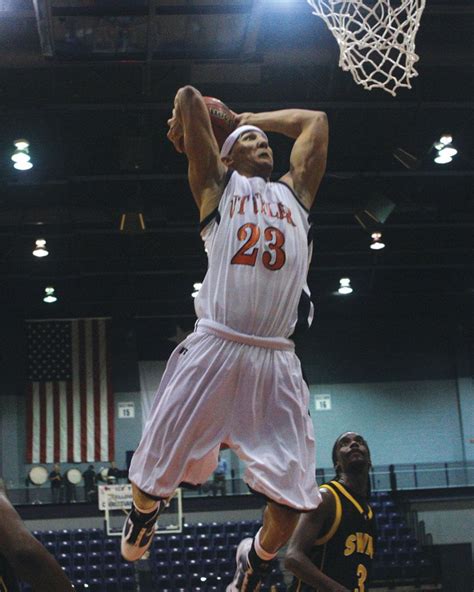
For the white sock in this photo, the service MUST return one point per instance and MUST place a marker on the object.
(149, 510)
(264, 555)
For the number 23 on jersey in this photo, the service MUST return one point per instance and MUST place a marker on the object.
(273, 257)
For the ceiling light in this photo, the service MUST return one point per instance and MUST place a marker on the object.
(442, 159)
(50, 297)
(446, 139)
(197, 286)
(23, 166)
(20, 156)
(447, 151)
(345, 286)
(377, 244)
(21, 144)
(40, 248)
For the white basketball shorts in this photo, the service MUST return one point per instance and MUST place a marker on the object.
(248, 392)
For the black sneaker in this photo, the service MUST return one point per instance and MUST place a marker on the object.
(246, 579)
(137, 534)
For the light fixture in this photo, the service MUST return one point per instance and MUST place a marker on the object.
(50, 297)
(448, 151)
(444, 149)
(23, 166)
(197, 286)
(377, 244)
(21, 144)
(40, 248)
(21, 157)
(446, 139)
(345, 286)
(442, 159)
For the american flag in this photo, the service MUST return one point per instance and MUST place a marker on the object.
(70, 411)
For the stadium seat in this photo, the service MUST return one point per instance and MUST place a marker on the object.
(161, 568)
(95, 558)
(51, 547)
(94, 572)
(175, 554)
(160, 555)
(111, 544)
(79, 546)
(201, 528)
(111, 585)
(79, 534)
(95, 546)
(232, 539)
(79, 559)
(128, 584)
(63, 535)
(64, 560)
(94, 585)
(191, 553)
(216, 528)
(110, 570)
(206, 553)
(222, 552)
(203, 540)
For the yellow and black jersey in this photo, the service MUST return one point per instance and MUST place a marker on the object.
(8, 582)
(345, 551)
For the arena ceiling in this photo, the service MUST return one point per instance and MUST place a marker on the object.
(90, 84)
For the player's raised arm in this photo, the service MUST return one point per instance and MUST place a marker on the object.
(312, 526)
(309, 153)
(191, 132)
(28, 559)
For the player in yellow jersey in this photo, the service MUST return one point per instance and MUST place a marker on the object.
(332, 547)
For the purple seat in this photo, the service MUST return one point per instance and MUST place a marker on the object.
(206, 553)
(191, 553)
(79, 559)
(175, 554)
(95, 546)
(64, 560)
(216, 528)
(110, 570)
(94, 572)
(79, 546)
(201, 528)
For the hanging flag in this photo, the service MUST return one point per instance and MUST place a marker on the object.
(70, 410)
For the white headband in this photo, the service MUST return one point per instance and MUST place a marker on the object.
(235, 135)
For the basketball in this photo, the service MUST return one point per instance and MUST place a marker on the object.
(222, 119)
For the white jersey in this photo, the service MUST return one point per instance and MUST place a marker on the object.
(259, 248)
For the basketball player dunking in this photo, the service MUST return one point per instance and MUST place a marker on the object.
(236, 380)
(332, 547)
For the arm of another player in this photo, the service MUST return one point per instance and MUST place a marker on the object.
(309, 153)
(309, 529)
(29, 560)
(191, 132)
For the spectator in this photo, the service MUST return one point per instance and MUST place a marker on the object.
(90, 484)
(56, 481)
(219, 477)
(114, 473)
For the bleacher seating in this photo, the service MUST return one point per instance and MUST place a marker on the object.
(202, 558)
(398, 558)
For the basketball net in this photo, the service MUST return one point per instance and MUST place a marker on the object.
(376, 39)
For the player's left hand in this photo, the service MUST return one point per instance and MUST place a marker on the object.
(175, 133)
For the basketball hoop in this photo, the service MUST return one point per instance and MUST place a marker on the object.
(376, 39)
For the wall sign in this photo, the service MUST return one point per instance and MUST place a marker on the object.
(322, 402)
(126, 410)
